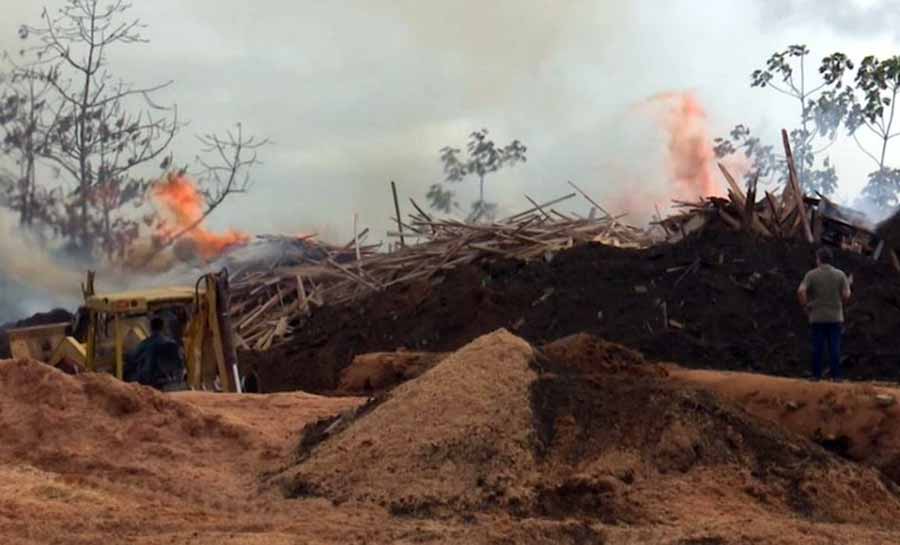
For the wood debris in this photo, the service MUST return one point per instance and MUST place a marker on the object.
(269, 304)
(814, 219)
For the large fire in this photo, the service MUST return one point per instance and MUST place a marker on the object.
(181, 205)
(690, 159)
(686, 159)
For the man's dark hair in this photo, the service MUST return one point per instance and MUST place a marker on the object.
(157, 325)
(824, 255)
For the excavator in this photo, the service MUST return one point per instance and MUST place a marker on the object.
(108, 325)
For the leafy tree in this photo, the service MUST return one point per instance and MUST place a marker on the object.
(101, 136)
(786, 73)
(482, 157)
(869, 108)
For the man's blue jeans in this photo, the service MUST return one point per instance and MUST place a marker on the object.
(827, 334)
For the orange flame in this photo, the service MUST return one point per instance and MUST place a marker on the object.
(691, 159)
(182, 205)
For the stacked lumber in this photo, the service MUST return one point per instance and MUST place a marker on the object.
(784, 216)
(268, 305)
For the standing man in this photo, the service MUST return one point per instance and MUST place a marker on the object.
(822, 293)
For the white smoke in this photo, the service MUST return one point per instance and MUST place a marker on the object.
(31, 280)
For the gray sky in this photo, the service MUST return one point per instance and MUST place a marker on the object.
(356, 93)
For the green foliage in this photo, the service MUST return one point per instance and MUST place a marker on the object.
(822, 109)
(882, 188)
(441, 199)
(482, 157)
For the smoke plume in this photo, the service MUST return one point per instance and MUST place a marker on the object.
(31, 279)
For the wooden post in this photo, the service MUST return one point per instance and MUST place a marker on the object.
(750, 204)
(397, 211)
(878, 249)
(356, 242)
(795, 185)
(590, 200)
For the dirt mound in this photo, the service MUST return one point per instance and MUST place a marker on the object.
(457, 430)
(718, 299)
(855, 421)
(372, 373)
(588, 354)
(499, 427)
(94, 423)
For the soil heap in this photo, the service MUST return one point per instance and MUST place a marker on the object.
(583, 430)
(718, 299)
(96, 426)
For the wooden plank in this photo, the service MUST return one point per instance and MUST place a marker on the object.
(773, 207)
(397, 210)
(356, 242)
(533, 210)
(729, 219)
(590, 200)
(733, 184)
(795, 185)
(536, 205)
(301, 296)
(416, 206)
(258, 312)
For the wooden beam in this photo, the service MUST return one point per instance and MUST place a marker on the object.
(532, 210)
(795, 185)
(750, 204)
(733, 184)
(590, 200)
(536, 205)
(397, 210)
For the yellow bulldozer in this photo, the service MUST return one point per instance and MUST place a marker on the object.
(109, 325)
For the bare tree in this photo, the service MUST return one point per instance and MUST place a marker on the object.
(228, 171)
(223, 169)
(108, 126)
(26, 124)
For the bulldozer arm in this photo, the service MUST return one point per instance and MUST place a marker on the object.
(70, 356)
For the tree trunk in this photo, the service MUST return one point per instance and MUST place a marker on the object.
(83, 149)
(28, 190)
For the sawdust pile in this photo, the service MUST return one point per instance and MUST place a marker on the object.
(92, 423)
(443, 440)
(583, 429)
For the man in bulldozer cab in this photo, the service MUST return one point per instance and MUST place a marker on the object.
(158, 361)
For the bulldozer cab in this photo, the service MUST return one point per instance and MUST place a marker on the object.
(118, 322)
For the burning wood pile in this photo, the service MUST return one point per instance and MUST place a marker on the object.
(792, 214)
(267, 305)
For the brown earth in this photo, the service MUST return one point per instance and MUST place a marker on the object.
(731, 297)
(582, 442)
(605, 438)
(380, 371)
(856, 421)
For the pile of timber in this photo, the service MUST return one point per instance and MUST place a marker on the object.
(792, 214)
(268, 305)
(787, 215)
